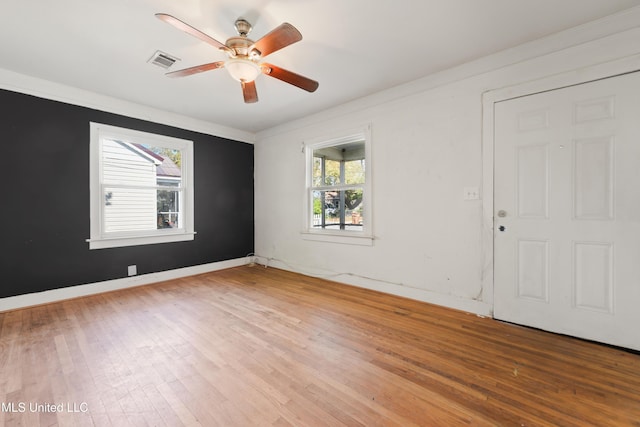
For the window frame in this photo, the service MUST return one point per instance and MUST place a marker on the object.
(355, 237)
(99, 239)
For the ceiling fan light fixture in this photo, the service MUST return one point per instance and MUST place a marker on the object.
(242, 70)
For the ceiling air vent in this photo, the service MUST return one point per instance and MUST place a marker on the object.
(162, 59)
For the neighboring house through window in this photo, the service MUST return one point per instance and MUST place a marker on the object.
(338, 188)
(141, 188)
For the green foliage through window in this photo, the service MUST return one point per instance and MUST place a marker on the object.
(337, 179)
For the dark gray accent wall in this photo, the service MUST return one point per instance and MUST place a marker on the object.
(44, 202)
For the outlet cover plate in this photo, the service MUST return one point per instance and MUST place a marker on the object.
(132, 270)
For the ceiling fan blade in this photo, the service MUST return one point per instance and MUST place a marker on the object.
(172, 20)
(195, 70)
(249, 92)
(280, 37)
(289, 77)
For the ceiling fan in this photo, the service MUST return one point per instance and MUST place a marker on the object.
(244, 55)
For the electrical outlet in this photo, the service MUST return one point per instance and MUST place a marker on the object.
(132, 270)
(471, 193)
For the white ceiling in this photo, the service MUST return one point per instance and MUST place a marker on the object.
(352, 47)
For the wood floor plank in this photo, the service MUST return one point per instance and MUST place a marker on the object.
(254, 346)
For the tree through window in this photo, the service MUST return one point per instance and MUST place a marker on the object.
(338, 179)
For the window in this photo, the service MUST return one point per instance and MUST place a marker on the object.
(141, 188)
(338, 188)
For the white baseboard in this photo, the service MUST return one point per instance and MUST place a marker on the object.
(46, 297)
(477, 307)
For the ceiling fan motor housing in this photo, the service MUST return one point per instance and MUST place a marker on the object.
(239, 45)
(243, 27)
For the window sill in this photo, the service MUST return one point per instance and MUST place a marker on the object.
(117, 242)
(345, 238)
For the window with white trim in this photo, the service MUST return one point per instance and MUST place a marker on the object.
(338, 187)
(141, 188)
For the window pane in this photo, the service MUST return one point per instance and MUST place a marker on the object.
(125, 164)
(354, 171)
(338, 209)
(129, 209)
(325, 172)
(133, 172)
(316, 173)
(339, 164)
(331, 172)
(168, 203)
(168, 171)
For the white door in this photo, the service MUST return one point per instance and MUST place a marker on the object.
(567, 210)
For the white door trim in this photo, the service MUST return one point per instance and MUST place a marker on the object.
(583, 75)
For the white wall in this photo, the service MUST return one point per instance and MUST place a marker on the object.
(427, 144)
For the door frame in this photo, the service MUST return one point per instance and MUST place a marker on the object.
(489, 98)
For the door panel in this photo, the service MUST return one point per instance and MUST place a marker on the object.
(533, 181)
(567, 240)
(593, 272)
(533, 269)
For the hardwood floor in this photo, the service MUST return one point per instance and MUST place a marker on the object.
(254, 346)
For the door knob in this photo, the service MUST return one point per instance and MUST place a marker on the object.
(502, 213)
(502, 228)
